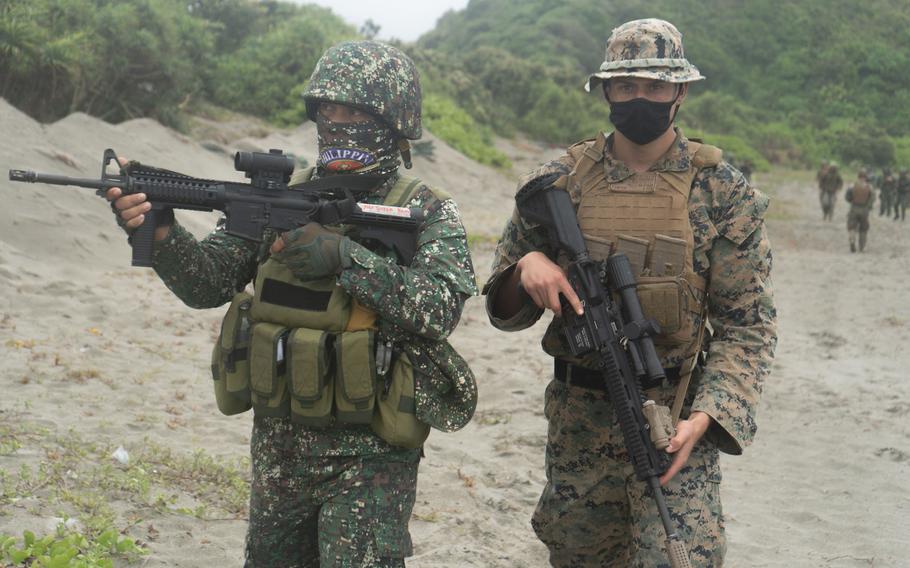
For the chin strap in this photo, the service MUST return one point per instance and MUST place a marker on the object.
(404, 146)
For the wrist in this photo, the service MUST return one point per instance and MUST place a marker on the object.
(701, 421)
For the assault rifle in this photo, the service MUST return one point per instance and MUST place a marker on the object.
(267, 202)
(620, 335)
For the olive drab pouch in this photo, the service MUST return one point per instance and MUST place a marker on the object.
(284, 299)
(395, 419)
(231, 358)
(268, 369)
(355, 376)
(312, 387)
(676, 303)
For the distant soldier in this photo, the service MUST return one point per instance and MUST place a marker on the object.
(822, 170)
(903, 195)
(829, 183)
(887, 192)
(860, 197)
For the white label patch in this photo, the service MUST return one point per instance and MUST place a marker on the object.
(385, 210)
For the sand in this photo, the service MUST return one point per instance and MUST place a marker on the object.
(96, 355)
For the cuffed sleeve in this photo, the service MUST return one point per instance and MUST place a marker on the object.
(743, 317)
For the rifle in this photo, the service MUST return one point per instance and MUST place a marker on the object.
(267, 202)
(620, 334)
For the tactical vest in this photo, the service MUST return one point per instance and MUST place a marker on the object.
(861, 195)
(310, 352)
(646, 216)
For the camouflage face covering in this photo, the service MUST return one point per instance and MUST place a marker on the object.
(360, 147)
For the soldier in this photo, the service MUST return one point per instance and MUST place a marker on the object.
(860, 197)
(887, 192)
(334, 480)
(830, 182)
(822, 170)
(646, 182)
(903, 195)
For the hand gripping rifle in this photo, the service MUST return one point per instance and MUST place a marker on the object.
(267, 202)
(621, 337)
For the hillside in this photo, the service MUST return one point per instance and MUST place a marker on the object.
(796, 80)
(788, 83)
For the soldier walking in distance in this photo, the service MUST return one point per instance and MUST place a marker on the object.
(860, 197)
(903, 195)
(829, 183)
(887, 192)
(695, 228)
(335, 347)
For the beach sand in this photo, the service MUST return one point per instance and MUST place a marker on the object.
(97, 355)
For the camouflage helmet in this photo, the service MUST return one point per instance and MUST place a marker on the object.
(649, 48)
(371, 76)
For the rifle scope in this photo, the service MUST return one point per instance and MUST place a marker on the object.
(273, 161)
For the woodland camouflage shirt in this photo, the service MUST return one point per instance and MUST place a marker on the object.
(425, 298)
(732, 253)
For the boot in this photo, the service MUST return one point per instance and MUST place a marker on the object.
(862, 241)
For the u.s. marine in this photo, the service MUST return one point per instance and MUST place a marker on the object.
(693, 228)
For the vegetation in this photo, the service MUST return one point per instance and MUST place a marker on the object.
(100, 499)
(788, 83)
(794, 82)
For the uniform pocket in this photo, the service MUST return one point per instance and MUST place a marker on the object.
(395, 419)
(268, 364)
(392, 542)
(312, 387)
(230, 358)
(355, 376)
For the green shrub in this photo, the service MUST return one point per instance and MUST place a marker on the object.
(445, 119)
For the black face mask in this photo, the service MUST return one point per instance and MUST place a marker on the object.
(640, 120)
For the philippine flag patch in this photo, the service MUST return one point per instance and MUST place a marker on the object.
(345, 159)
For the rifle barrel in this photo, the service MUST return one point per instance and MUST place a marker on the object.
(28, 176)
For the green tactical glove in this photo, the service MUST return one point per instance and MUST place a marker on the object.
(313, 252)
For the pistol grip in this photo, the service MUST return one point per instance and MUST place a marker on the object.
(143, 240)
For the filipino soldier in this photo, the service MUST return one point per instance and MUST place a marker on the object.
(829, 184)
(641, 189)
(325, 350)
(860, 197)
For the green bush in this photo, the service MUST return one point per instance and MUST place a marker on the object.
(445, 119)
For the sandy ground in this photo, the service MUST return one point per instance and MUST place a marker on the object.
(97, 355)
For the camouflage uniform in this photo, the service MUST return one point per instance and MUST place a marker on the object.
(829, 183)
(887, 193)
(861, 197)
(593, 511)
(340, 496)
(903, 196)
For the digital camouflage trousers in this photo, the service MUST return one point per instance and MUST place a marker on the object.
(327, 512)
(594, 512)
